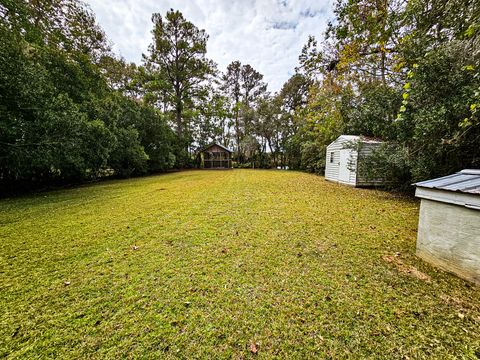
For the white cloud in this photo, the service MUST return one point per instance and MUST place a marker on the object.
(267, 34)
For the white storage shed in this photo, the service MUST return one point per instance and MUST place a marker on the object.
(344, 156)
(449, 223)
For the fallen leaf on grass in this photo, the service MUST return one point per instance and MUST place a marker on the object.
(66, 283)
(135, 247)
(253, 348)
(406, 269)
(456, 302)
(17, 330)
(398, 313)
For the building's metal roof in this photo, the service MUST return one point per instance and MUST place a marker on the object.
(217, 144)
(465, 181)
(361, 138)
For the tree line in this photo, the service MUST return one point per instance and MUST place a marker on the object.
(71, 110)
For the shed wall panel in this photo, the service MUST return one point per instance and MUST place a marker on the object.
(365, 151)
(332, 169)
(352, 166)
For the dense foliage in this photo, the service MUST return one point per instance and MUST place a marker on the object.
(70, 110)
(405, 72)
(67, 112)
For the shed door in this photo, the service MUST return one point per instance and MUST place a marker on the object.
(343, 172)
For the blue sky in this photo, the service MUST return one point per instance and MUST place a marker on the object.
(268, 35)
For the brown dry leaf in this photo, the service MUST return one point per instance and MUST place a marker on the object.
(398, 313)
(253, 348)
(460, 305)
(406, 269)
(418, 274)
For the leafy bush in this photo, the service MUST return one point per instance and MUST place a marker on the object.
(128, 156)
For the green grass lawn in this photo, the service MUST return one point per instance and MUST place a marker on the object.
(225, 264)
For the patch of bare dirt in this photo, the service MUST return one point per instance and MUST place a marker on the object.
(405, 268)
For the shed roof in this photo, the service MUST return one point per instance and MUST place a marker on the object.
(462, 188)
(466, 181)
(217, 144)
(361, 138)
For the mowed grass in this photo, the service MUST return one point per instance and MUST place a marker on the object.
(225, 264)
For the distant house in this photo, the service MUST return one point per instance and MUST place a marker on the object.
(344, 158)
(215, 156)
(449, 223)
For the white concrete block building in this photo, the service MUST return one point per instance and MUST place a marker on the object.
(449, 223)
